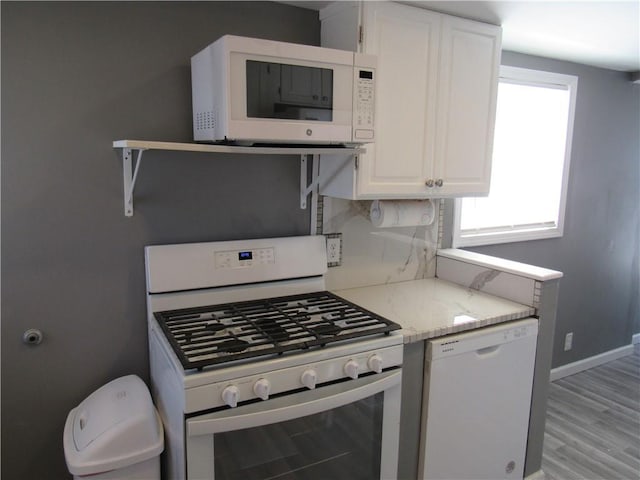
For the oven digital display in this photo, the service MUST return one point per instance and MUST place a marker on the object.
(245, 255)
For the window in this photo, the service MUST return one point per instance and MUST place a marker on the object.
(530, 166)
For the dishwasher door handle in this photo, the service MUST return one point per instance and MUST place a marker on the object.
(483, 352)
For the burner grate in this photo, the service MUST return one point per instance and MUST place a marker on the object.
(210, 335)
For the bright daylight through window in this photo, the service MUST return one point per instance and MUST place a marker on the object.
(530, 167)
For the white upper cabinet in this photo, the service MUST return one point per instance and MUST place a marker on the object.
(437, 81)
(467, 92)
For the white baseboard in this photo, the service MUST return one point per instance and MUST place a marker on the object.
(635, 339)
(586, 363)
(539, 475)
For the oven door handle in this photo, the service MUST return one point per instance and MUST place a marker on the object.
(293, 406)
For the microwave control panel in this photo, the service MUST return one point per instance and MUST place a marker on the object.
(364, 109)
(364, 99)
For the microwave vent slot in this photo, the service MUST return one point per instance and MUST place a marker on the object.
(205, 120)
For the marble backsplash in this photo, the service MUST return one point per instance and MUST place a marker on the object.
(375, 256)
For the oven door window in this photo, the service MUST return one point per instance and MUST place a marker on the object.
(291, 92)
(343, 443)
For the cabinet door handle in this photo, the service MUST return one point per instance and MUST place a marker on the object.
(429, 183)
(439, 182)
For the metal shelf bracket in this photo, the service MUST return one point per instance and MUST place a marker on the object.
(305, 189)
(130, 169)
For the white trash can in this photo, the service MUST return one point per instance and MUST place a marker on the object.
(115, 433)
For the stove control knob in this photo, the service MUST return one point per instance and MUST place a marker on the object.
(309, 378)
(375, 363)
(230, 395)
(262, 388)
(351, 369)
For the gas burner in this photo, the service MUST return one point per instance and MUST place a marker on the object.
(325, 329)
(214, 327)
(272, 329)
(210, 335)
(233, 345)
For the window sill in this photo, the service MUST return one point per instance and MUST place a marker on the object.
(476, 240)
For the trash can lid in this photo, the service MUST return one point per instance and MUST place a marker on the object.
(115, 426)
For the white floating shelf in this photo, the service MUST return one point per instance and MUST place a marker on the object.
(131, 168)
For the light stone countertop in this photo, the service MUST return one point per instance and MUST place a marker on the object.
(431, 307)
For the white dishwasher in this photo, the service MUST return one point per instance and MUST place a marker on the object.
(476, 403)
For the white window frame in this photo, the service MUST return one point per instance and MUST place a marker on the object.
(540, 231)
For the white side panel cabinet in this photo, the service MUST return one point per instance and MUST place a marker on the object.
(435, 110)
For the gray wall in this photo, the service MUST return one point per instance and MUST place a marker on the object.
(599, 251)
(75, 77)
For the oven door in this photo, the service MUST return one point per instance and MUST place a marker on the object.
(347, 430)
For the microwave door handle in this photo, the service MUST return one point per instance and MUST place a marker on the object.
(282, 409)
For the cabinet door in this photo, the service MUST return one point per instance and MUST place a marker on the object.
(468, 83)
(405, 39)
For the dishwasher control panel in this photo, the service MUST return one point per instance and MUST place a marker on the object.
(482, 340)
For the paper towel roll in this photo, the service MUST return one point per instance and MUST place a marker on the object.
(401, 213)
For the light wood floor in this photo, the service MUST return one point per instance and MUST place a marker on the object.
(593, 423)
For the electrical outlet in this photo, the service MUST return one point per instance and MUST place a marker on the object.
(334, 249)
(568, 341)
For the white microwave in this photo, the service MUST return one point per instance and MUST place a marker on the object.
(248, 91)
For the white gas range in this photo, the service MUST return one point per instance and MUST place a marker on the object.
(259, 373)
